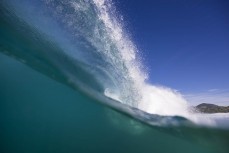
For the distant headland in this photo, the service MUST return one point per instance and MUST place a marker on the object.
(211, 108)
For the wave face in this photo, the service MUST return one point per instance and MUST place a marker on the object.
(84, 44)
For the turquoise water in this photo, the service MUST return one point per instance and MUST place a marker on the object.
(38, 114)
(69, 84)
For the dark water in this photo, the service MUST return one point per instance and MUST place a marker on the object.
(38, 114)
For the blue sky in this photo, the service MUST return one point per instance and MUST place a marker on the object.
(184, 43)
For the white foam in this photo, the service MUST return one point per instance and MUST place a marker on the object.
(155, 100)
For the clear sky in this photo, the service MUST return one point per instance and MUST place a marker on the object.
(184, 43)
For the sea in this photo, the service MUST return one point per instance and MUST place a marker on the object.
(71, 80)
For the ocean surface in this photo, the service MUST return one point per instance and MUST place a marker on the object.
(72, 81)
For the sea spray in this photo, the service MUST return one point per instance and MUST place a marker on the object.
(152, 99)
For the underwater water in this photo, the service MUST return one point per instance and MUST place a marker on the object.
(38, 114)
(91, 94)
